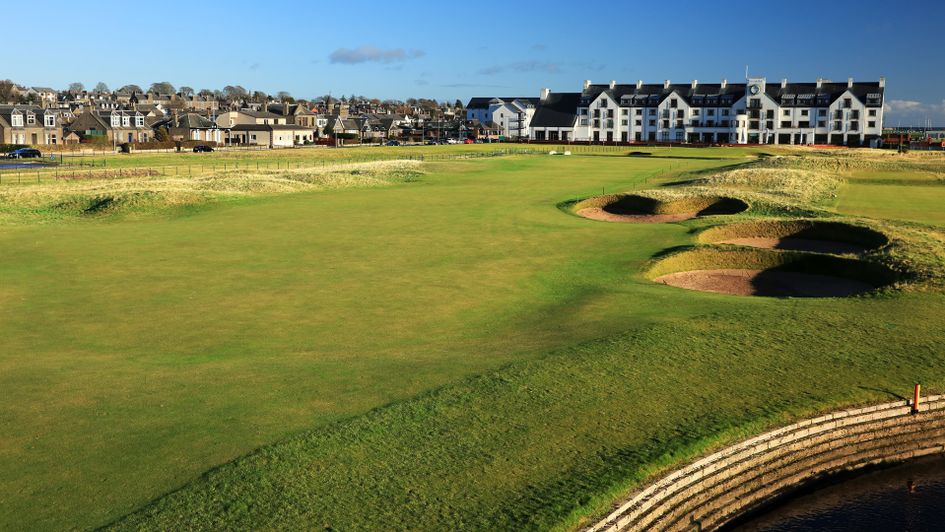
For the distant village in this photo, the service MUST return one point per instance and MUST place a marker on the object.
(163, 115)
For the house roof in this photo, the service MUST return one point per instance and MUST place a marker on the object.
(270, 127)
(559, 109)
(484, 102)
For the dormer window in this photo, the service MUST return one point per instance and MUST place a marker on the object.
(125, 121)
(116, 120)
(30, 119)
(139, 121)
(50, 120)
(16, 120)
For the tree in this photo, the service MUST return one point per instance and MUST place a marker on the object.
(458, 104)
(7, 94)
(162, 87)
(186, 92)
(206, 93)
(283, 96)
(162, 134)
(234, 92)
(76, 87)
(131, 88)
(260, 96)
(101, 87)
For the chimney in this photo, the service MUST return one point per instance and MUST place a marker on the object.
(587, 83)
(544, 94)
(882, 81)
(613, 83)
(849, 83)
(820, 82)
(724, 83)
(666, 84)
(285, 108)
(639, 84)
(784, 83)
(694, 83)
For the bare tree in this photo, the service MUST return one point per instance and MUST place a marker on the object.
(76, 87)
(101, 87)
(162, 87)
(186, 92)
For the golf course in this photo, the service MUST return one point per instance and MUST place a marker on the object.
(442, 337)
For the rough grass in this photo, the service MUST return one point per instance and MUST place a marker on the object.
(144, 191)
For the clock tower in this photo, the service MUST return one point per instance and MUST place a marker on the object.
(755, 87)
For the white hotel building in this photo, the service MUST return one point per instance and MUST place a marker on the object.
(756, 112)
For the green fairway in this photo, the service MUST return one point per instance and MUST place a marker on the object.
(452, 351)
(913, 202)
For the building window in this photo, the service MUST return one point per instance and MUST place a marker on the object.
(821, 112)
(854, 126)
(805, 112)
(639, 112)
(872, 112)
(710, 112)
(821, 123)
(139, 121)
(624, 122)
(16, 120)
(610, 113)
(603, 103)
(50, 121)
(695, 112)
(673, 103)
(847, 103)
(638, 122)
(652, 123)
(786, 112)
(652, 112)
(871, 124)
(724, 112)
(30, 119)
(837, 126)
(625, 112)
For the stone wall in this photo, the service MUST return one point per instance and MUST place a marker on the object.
(725, 485)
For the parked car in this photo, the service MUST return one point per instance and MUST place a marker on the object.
(430, 142)
(25, 153)
(393, 143)
(202, 148)
(452, 141)
(469, 141)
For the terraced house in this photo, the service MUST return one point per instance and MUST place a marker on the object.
(755, 112)
(117, 126)
(24, 124)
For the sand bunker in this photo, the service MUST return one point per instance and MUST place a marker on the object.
(768, 283)
(641, 209)
(798, 235)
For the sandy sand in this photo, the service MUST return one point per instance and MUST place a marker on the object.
(797, 244)
(596, 213)
(764, 283)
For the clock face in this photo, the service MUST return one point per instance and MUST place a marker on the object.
(753, 89)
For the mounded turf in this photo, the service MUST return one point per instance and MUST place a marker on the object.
(798, 235)
(450, 353)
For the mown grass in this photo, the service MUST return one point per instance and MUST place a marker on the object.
(449, 353)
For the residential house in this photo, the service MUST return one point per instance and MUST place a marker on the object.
(25, 124)
(191, 126)
(118, 126)
(556, 117)
(511, 114)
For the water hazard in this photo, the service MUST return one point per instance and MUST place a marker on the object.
(909, 498)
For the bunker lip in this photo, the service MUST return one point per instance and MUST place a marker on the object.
(641, 209)
(797, 244)
(815, 236)
(765, 283)
(769, 273)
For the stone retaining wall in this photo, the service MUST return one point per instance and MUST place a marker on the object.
(725, 485)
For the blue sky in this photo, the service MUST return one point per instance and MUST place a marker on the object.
(449, 50)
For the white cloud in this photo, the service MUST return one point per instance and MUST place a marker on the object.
(371, 54)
